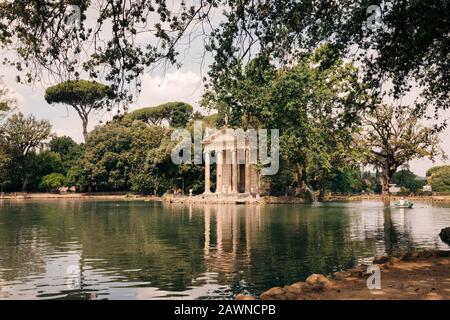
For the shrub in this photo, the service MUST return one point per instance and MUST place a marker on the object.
(440, 179)
(52, 182)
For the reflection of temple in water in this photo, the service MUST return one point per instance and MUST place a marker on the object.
(229, 236)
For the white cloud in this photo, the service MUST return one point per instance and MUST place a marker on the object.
(174, 86)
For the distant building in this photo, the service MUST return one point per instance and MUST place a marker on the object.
(427, 188)
(394, 189)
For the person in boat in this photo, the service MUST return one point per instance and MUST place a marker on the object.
(402, 201)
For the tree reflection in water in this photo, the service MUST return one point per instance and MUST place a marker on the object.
(145, 250)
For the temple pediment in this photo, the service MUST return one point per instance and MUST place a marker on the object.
(223, 135)
(228, 139)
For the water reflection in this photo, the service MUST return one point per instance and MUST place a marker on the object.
(138, 250)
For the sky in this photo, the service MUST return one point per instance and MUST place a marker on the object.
(183, 84)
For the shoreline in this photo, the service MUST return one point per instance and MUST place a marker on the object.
(433, 198)
(186, 199)
(422, 275)
(100, 196)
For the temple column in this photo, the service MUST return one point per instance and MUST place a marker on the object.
(247, 171)
(235, 172)
(207, 172)
(258, 181)
(219, 171)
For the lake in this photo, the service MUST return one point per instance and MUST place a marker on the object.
(93, 249)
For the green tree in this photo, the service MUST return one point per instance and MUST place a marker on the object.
(181, 114)
(52, 182)
(7, 104)
(316, 105)
(162, 173)
(411, 42)
(241, 93)
(130, 155)
(83, 96)
(392, 137)
(77, 177)
(345, 180)
(371, 182)
(5, 163)
(157, 174)
(408, 43)
(211, 120)
(21, 135)
(115, 155)
(407, 179)
(106, 161)
(62, 145)
(331, 157)
(176, 114)
(434, 169)
(45, 43)
(197, 115)
(67, 149)
(41, 163)
(439, 178)
(153, 116)
(282, 183)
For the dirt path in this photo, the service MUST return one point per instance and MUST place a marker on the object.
(422, 279)
(424, 275)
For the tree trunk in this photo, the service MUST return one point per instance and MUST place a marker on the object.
(322, 178)
(24, 184)
(24, 174)
(303, 187)
(90, 185)
(321, 196)
(85, 130)
(385, 181)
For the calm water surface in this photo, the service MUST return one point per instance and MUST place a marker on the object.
(141, 250)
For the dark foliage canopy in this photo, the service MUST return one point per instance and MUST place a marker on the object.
(177, 114)
(77, 93)
(405, 41)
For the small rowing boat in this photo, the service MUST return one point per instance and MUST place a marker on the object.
(404, 204)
